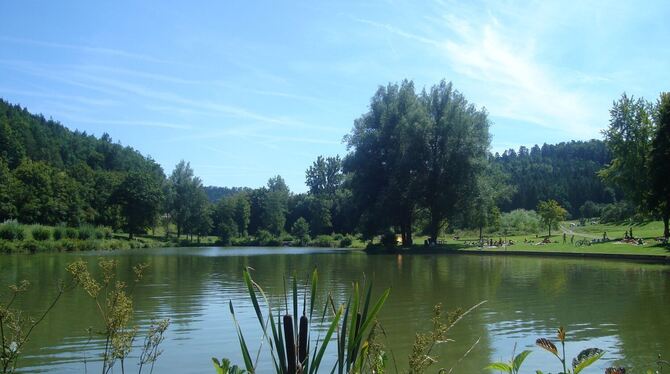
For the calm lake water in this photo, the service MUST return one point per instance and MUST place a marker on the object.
(618, 306)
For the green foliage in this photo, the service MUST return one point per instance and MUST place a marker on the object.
(584, 359)
(324, 176)
(224, 367)
(289, 336)
(551, 213)
(520, 221)
(71, 233)
(16, 326)
(139, 196)
(300, 230)
(11, 230)
(511, 367)
(629, 138)
(346, 241)
(114, 303)
(40, 233)
(617, 212)
(659, 162)
(86, 232)
(415, 151)
(565, 172)
(323, 241)
(422, 356)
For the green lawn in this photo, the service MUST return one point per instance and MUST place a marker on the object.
(647, 231)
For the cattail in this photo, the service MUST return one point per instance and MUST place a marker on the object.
(289, 339)
(302, 340)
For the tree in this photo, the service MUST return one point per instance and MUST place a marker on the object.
(7, 208)
(385, 160)
(300, 230)
(139, 196)
(659, 163)
(324, 176)
(275, 205)
(551, 213)
(457, 142)
(629, 138)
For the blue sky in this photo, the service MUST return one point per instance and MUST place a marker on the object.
(247, 90)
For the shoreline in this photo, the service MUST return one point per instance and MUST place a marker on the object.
(661, 259)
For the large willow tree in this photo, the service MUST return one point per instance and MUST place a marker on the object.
(414, 152)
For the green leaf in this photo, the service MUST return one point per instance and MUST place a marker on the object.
(243, 345)
(519, 359)
(326, 339)
(500, 366)
(585, 358)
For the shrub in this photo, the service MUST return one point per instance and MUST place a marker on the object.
(346, 241)
(67, 245)
(520, 221)
(322, 241)
(71, 233)
(59, 233)
(11, 230)
(106, 231)
(263, 237)
(30, 246)
(7, 247)
(86, 232)
(616, 212)
(41, 233)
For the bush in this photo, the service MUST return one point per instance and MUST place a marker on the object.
(106, 231)
(11, 230)
(520, 221)
(41, 233)
(59, 233)
(322, 241)
(86, 232)
(30, 246)
(388, 240)
(616, 212)
(71, 233)
(7, 247)
(346, 241)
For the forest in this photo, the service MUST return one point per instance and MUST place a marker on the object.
(418, 162)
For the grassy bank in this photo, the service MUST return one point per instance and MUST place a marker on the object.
(589, 235)
(18, 238)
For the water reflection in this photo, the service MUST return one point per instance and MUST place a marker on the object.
(613, 305)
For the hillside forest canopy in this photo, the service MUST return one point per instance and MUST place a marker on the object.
(417, 162)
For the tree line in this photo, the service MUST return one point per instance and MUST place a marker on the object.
(416, 162)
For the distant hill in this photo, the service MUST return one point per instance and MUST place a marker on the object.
(50, 174)
(565, 172)
(215, 194)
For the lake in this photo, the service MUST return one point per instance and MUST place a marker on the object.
(618, 306)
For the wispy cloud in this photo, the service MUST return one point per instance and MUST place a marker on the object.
(514, 83)
(112, 122)
(50, 95)
(81, 48)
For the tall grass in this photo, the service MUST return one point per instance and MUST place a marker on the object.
(293, 347)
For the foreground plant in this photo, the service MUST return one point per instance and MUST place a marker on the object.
(512, 366)
(114, 303)
(422, 357)
(583, 360)
(16, 327)
(293, 348)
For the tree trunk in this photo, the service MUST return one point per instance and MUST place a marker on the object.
(480, 234)
(178, 231)
(130, 235)
(549, 230)
(666, 229)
